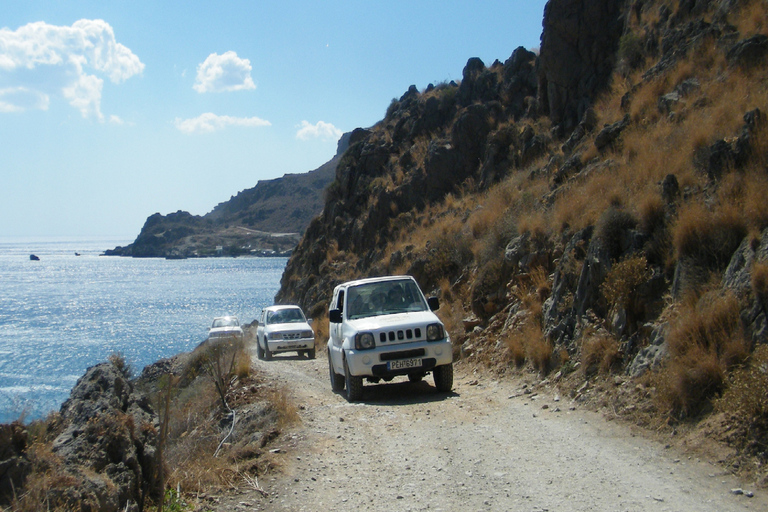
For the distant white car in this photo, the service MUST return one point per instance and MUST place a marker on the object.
(225, 327)
(284, 329)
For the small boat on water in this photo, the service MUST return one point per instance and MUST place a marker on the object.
(32, 257)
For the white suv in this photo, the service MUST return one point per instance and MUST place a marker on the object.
(284, 329)
(383, 327)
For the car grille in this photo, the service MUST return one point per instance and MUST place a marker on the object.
(400, 335)
(405, 354)
(291, 335)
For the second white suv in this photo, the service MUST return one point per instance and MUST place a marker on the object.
(284, 329)
(384, 327)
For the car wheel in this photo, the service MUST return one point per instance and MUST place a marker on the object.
(267, 353)
(259, 350)
(443, 376)
(354, 385)
(311, 353)
(337, 381)
(415, 377)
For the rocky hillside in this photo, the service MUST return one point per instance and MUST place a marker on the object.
(592, 211)
(267, 219)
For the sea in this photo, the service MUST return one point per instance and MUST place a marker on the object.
(73, 308)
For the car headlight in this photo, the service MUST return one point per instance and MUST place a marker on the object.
(364, 341)
(307, 334)
(435, 332)
(275, 336)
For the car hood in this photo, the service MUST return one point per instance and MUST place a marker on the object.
(295, 326)
(400, 320)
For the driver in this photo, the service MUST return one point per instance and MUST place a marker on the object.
(395, 297)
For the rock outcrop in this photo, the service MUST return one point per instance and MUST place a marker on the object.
(105, 454)
(578, 55)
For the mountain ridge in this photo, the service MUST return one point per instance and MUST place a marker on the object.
(267, 219)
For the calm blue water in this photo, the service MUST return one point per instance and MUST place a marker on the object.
(64, 313)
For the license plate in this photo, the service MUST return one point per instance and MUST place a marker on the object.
(404, 363)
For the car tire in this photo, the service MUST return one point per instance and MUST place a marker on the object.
(443, 376)
(337, 381)
(353, 384)
(259, 350)
(267, 353)
(311, 353)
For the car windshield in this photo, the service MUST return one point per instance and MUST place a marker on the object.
(384, 298)
(285, 316)
(225, 322)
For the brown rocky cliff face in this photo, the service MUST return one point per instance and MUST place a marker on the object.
(578, 53)
(432, 142)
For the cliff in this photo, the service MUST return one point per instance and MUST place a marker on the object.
(593, 213)
(267, 219)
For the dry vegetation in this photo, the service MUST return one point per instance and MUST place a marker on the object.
(701, 225)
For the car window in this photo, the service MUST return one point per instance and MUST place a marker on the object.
(286, 316)
(384, 298)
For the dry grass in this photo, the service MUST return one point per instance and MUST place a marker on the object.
(600, 353)
(532, 290)
(750, 18)
(745, 401)
(528, 343)
(708, 238)
(620, 286)
(705, 342)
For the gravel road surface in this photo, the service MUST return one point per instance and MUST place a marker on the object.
(489, 445)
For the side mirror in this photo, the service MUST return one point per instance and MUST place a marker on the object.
(310, 321)
(334, 316)
(434, 303)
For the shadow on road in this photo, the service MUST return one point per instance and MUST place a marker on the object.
(402, 393)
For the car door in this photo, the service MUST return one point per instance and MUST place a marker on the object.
(260, 328)
(336, 332)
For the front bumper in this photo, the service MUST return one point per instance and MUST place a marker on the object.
(389, 361)
(291, 345)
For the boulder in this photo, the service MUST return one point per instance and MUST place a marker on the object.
(108, 442)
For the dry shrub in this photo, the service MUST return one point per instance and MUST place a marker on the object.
(746, 402)
(532, 290)
(611, 229)
(706, 340)
(516, 349)
(708, 239)
(321, 326)
(750, 18)
(601, 354)
(652, 213)
(282, 405)
(620, 286)
(243, 365)
(754, 203)
(687, 383)
(535, 346)
(760, 282)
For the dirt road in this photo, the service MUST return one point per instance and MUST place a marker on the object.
(486, 446)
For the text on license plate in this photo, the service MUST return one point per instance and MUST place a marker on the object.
(404, 363)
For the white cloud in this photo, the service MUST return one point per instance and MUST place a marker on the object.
(321, 130)
(208, 122)
(44, 59)
(19, 99)
(116, 120)
(224, 73)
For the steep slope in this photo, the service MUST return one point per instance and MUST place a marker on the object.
(597, 209)
(268, 218)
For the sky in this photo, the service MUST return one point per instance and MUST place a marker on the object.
(111, 111)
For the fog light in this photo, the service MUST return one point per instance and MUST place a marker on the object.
(367, 360)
